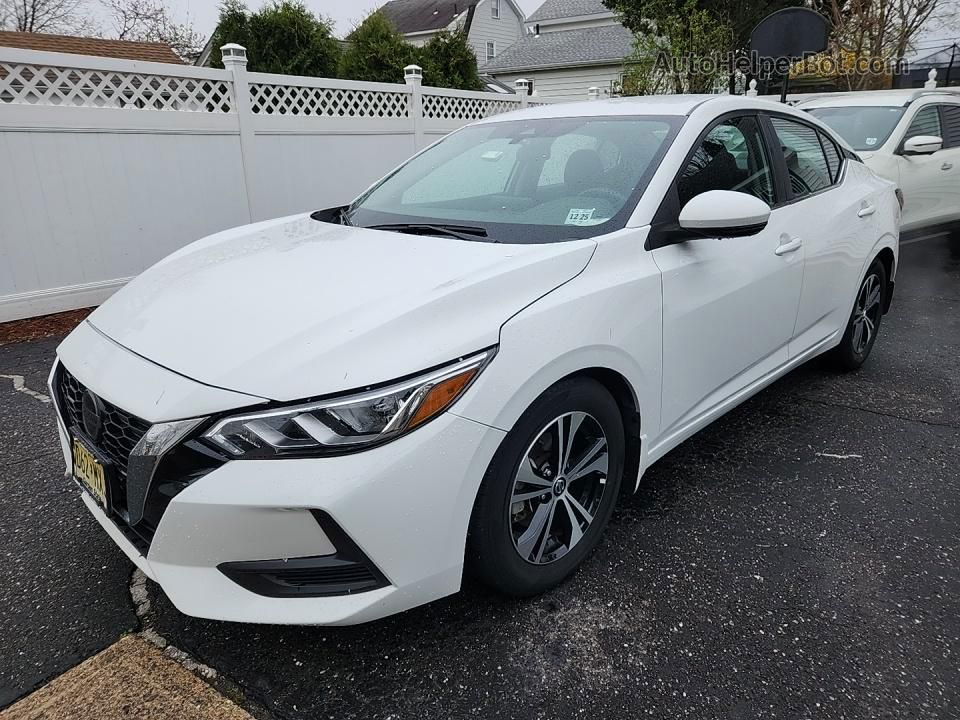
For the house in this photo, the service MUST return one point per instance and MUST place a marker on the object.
(492, 26)
(122, 49)
(571, 46)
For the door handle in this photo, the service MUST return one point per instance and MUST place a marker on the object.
(866, 211)
(947, 166)
(788, 245)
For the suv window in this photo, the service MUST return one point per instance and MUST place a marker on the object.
(833, 157)
(807, 165)
(925, 122)
(731, 157)
(951, 125)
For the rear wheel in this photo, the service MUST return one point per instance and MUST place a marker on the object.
(864, 323)
(549, 491)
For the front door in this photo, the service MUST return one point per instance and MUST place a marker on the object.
(930, 183)
(730, 305)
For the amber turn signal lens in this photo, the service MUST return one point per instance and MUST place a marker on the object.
(441, 396)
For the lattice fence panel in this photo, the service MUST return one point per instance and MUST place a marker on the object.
(446, 107)
(26, 84)
(267, 99)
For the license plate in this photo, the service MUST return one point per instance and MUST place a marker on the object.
(89, 472)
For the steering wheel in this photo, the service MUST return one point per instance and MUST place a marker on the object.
(617, 198)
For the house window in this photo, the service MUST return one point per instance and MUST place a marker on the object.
(491, 50)
(495, 9)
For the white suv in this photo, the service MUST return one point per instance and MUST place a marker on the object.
(911, 137)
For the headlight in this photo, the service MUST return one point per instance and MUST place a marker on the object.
(346, 423)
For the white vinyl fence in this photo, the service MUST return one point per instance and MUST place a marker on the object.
(107, 165)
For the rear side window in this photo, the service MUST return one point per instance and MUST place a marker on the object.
(807, 165)
(925, 122)
(833, 157)
(951, 125)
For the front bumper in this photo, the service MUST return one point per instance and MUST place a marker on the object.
(405, 505)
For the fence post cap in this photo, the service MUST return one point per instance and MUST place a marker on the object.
(232, 52)
(593, 93)
(411, 72)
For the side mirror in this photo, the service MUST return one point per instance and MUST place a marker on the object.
(922, 145)
(725, 213)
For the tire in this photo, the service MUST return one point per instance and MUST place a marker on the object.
(507, 548)
(864, 323)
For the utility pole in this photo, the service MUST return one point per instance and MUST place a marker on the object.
(953, 54)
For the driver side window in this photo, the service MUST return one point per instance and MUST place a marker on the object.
(731, 157)
(925, 122)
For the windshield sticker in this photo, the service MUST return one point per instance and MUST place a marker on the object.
(871, 141)
(578, 216)
(492, 155)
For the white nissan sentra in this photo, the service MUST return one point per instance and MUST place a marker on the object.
(330, 418)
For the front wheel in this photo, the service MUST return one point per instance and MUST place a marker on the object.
(549, 491)
(864, 323)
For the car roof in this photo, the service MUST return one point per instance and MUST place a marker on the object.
(679, 105)
(877, 98)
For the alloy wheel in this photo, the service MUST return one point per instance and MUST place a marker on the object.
(558, 488)
(866, 317)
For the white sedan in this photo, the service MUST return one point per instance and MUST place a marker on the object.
(911, 137)
(328, 418)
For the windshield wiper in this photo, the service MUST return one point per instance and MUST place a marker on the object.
(462, 232)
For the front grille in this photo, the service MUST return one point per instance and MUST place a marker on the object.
(121, 432)
(120, 435)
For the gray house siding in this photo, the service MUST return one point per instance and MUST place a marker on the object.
(568, 83)
(504, 32)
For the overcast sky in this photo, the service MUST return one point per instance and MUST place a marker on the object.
(346, 13)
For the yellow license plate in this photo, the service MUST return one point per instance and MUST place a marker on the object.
(89, 472)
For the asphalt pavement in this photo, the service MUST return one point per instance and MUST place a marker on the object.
(797, 559)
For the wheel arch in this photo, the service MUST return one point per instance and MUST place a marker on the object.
(622, 391)
(889, 262)
(617, 372)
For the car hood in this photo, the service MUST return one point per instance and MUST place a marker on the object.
(296, 308)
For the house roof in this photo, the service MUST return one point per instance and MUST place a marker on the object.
(494, 85)
(124, 49)
(410, 16)
(555, 9)
(588, 46)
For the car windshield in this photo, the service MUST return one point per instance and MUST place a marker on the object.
(864, 127)
(523, 181)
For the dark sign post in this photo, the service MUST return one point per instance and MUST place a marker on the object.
(791, 33)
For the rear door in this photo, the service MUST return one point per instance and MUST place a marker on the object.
(949, 162)
(832, 212)
(730, 305)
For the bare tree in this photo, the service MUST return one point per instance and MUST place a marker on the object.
(882, 31)
(68, 17)
(150, 21)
